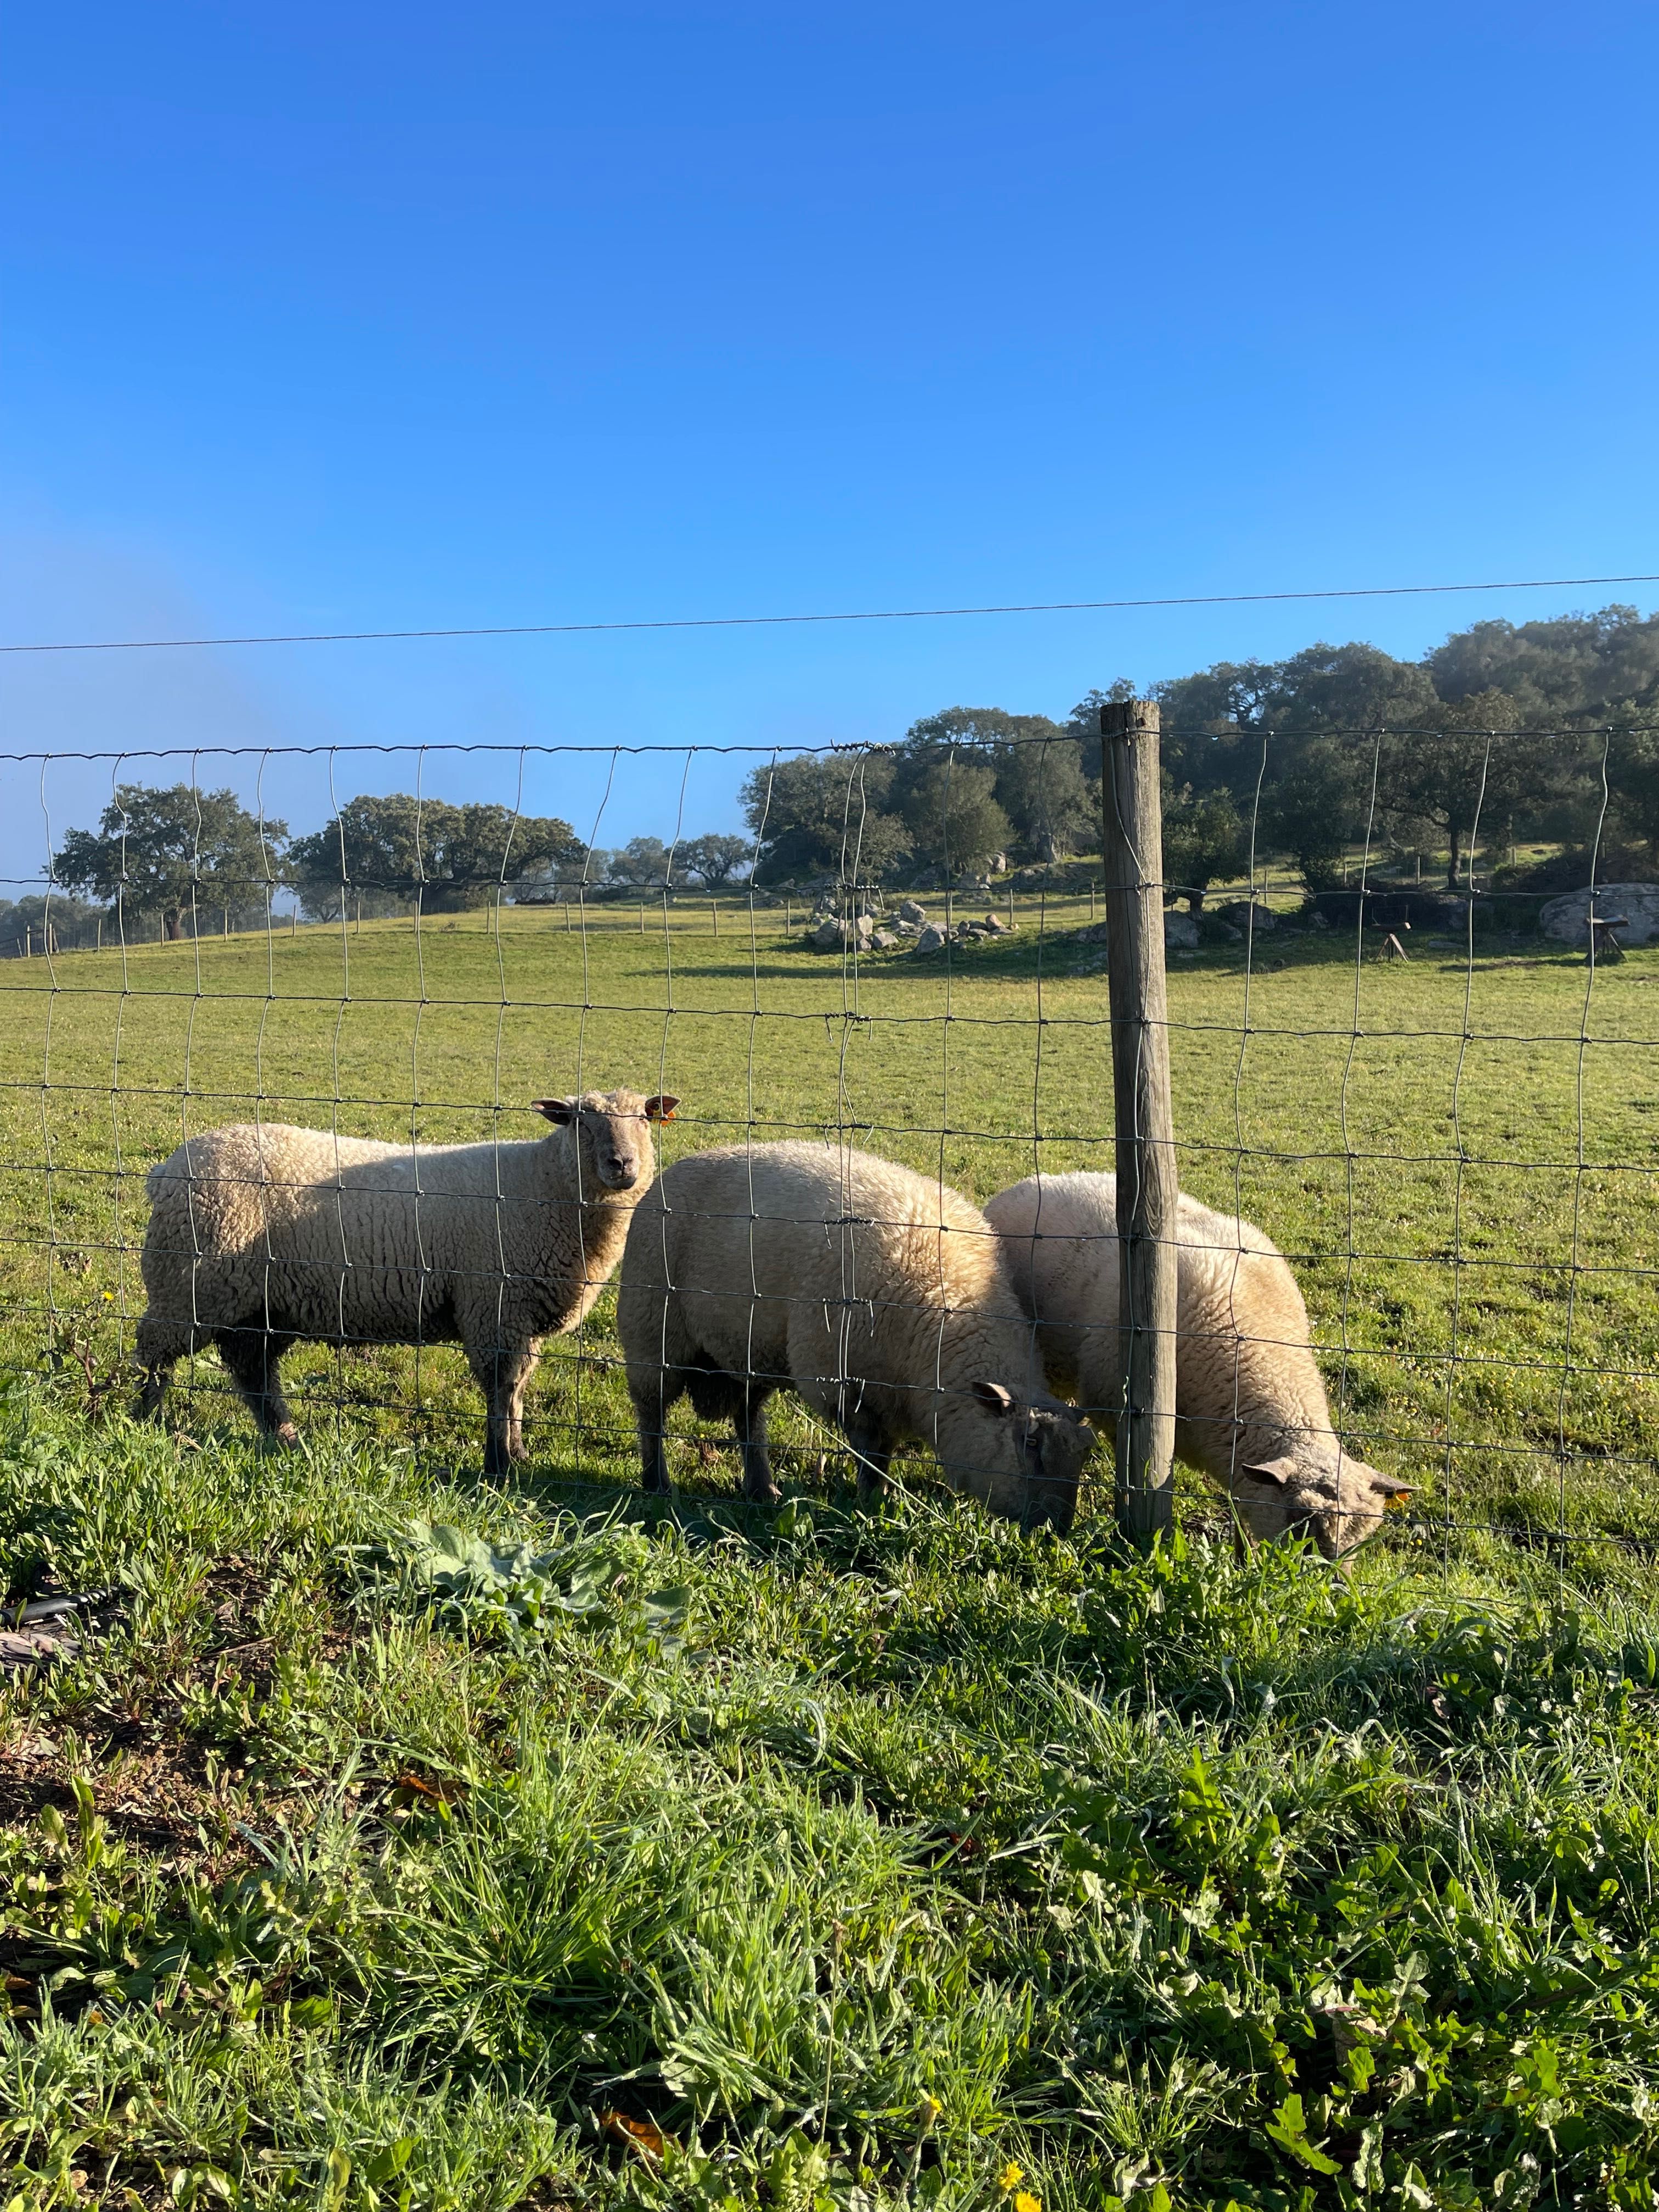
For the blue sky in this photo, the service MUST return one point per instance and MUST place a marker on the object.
(359, 318)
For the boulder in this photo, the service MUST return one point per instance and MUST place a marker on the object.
(909, 928)
(997, 927)
(1244, 914)
(1567, 920)
(883, 941)
(931, 939)
(832, 935)
(912, 910)
(1180, 933)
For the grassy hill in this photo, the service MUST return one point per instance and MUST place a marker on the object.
(676, 1854)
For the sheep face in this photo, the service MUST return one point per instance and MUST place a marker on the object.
(613, 1136)
(1027, 1460)
(1315, 1490)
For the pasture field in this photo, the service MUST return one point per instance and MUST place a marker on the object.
(678, 1854)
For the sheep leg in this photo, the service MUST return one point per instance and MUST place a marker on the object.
(253, 1355)
(751, 1425)
(160, 1346)
(502, 1372)
(528, 1362)
(874, 1457)
(651, 1401)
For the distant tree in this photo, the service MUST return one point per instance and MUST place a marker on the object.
(715, 858)
(950, 811)
(1309, 812)
(1355, 688)
(646, 862)
(1574, 670)
(819, 814)
(1633, 784)
(1457, 772)
(38, 913)
(394, 851)
(1040, 784)
(160, 850)
(1205, 841)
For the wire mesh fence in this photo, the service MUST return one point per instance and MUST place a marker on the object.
(1439, 1112)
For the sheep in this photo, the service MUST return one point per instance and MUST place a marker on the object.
(261, 1236)
(880, 1296)
(1250, 1407)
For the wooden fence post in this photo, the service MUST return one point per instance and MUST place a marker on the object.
(1147, 1189)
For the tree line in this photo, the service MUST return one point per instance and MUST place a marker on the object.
(172, 852)
(1294, 757)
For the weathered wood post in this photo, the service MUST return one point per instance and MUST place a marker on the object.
(1131, 841)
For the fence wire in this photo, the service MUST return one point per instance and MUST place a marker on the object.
(1438, 1114)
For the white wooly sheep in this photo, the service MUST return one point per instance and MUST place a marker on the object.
(1250, 1406)
(264, 1237)
(880, 1297)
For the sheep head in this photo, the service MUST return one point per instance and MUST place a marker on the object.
(1316, 1489)
(613, 1136)
(1027, 1456)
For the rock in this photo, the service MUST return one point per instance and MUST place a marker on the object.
(964, 929)
(1236, 935)
(997, 926)
(884, 940)
(1566, 919)
(1180, 933)
(931, 939)
(1242, 914)
(912, 910)
(832, 935)
(908, 928)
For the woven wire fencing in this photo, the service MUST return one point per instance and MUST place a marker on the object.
(1442, 1117)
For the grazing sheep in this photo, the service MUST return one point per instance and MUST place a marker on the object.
(262, 1236)
(1250, 1407)
(880, 1296)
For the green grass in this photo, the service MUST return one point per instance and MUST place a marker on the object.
(851, 1859)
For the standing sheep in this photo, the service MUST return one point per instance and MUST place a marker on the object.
(1250, 1407)
(880, 1296)
(262, 1236)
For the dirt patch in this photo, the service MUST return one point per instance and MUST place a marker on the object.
(159, 1780)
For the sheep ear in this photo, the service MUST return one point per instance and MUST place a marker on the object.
(994, 1398)
(556, 1110)
(661, 1108)
(1278, 1471)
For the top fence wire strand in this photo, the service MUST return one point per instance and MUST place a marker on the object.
(1440, 1113)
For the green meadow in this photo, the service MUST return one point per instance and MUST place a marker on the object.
(401, 1838)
